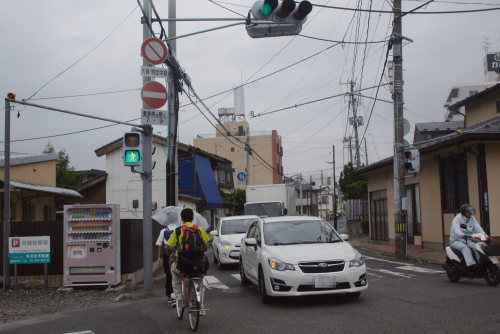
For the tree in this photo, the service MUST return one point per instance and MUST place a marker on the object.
(238, 197)
(49, 149)
(66, 177)
(352, 186)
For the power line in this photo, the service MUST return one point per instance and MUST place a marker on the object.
(342, 42)
(232, 11)
(85, 55)
(404, 13)
(89, 94)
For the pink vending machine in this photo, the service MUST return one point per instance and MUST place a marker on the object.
(91, 244)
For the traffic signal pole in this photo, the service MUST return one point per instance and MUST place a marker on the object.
(6, 199)
(400, 236)
(147, 177)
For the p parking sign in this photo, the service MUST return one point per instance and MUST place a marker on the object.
(26, 250)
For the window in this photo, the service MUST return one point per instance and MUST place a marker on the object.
(241, 132)
(251, 231)
(232, 149)
(28, 211)
(454, 183)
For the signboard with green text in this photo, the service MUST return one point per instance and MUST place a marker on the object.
(26, 250)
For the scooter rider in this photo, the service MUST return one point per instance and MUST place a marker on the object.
(462, 227)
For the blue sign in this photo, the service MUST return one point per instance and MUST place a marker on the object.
(27, 258)
(241, 176)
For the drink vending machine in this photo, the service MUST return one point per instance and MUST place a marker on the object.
(91, 244)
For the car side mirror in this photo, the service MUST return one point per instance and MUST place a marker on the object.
(214, 233)
(251, 242)
(344, 237)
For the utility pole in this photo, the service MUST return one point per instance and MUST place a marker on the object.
(299, 177)
(147, 177)
(334, 197)
(399, 184)
(355, 125)
(247, 149)
(6, 199)
(173, 111)
(366, 154)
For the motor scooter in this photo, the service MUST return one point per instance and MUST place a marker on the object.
(485, 255)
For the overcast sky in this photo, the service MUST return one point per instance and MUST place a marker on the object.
(40, 39)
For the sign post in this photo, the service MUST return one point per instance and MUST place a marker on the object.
(29, 250)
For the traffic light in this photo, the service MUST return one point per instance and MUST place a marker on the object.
(132, 149)
(287, 18)
(412, 160)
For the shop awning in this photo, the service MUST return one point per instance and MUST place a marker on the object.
(207, 182)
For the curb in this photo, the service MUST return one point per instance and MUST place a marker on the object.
(390, 256)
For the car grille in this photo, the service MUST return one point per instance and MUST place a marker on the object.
(321, 267)
(339, 286)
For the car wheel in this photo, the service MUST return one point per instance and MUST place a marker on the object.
(243, 278)
(262, 288)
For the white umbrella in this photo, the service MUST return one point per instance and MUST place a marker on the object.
(170, 217)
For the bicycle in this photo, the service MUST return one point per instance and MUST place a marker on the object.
(191, 299)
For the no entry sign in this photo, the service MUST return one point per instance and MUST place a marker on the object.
(154, 94)
(154, 51)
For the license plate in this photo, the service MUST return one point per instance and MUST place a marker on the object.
(325, 282)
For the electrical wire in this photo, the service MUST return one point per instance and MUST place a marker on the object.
(232, 11)
(85, 55)
(89, 94)
(404, 13)
(343, 42)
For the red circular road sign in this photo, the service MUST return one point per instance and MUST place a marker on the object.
(154, 94)
(154, 51)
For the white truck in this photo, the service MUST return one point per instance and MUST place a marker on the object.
(270, 200)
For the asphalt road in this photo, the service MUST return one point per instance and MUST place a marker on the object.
(401, 298)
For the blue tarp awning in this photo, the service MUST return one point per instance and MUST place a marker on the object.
(197, 179)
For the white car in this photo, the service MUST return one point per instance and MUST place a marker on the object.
(227, 238)
(297, 255)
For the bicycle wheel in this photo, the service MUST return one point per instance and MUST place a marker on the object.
(194, 308)
(179, 305)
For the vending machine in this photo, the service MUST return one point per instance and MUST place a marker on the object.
(91, 244)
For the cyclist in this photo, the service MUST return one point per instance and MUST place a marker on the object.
(178, 242)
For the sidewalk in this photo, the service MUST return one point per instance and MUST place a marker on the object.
(415, 253)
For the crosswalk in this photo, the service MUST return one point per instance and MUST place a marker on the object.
(376, 269)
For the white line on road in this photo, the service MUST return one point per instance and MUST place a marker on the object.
(236, 276)
(83, 332)
(395, 273)
(214, 283)
(377, 259)
(371, 274)
(420, 269)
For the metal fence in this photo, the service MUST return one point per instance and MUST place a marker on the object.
(356, 209)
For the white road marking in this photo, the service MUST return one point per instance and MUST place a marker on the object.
(420, 269)
(214, 283)
(83, 332)
(395, 273)
(371, 274)
(236, 276)
(383, 260)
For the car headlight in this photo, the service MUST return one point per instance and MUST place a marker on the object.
(357, 261)
(226, 244)
(279, 265)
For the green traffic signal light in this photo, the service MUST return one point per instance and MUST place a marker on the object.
(268, 7)
(132, 157)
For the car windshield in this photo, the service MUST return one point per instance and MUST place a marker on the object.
(235, 226)
(263, 209)
(299, 232)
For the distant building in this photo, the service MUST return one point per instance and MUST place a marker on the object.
(461, 92)
(265, 162)
(426, 131)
